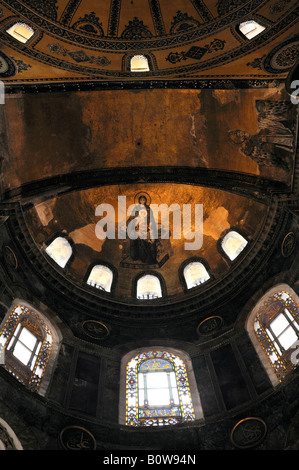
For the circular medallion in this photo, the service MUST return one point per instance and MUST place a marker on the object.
(7, 67)
(288, 244)
(248, 432)
(77, 438)
(10, 258)
(209, 325)
(283, 57)
(95, 329)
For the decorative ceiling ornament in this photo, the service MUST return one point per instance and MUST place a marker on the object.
(136, 30)
(90, 23)
(195, 52)
(10, 258)
(210, 325)
(226, 6)
(44, 7)
(182, 22)
(248, 432)
(283, 57)
(77, 438)
(288, 244)
(78, 56)
(95, 329)
(7, 66)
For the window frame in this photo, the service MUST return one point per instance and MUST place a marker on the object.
(49, 241)
(263, 344)
(260, 21)
(191, 383)
(114, 277)
(151, 273)
(21, 313)
(185, 264)
(16, 22)
(223, 252)
(126, 63)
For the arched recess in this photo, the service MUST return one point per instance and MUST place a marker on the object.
(276, 352)
(29, 346)
(135, 408)
(8, 438)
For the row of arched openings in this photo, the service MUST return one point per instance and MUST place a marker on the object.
(149, 285)
(136, 63)
(23, 33)
(157, 384)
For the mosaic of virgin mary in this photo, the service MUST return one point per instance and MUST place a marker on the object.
(141, 221)
(143, 245)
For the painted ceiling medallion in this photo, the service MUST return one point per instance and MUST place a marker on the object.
(210, 325)
(77, 438)
(7, 66)
(248, 432)
(95, 329)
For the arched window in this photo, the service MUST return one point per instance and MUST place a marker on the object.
(26, 345)
(251, 28)
(158, 389)
(21, 31)
(101, 277)
(148, 287)
(60, 251)
(195, 274)
(274, 329)
(232, 244)
(139, 63)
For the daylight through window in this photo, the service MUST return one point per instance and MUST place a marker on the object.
(195, 274)
(149, 287)
(157, 390)
(101, 277)
(21, 31)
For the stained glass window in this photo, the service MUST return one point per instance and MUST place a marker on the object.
(157, 390)
(276, 327)
(25, 346)
(149, 287)
(195, 274)
(101, 277)
(233, 243)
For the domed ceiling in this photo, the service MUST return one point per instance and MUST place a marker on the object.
(94, 40)
(74, 215)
